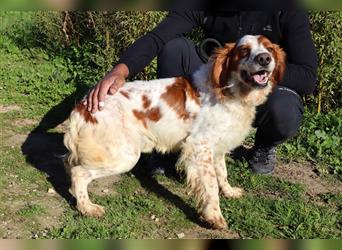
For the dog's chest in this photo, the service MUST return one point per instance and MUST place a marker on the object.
(223, 126)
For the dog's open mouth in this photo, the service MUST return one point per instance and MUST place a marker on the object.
(259, 78)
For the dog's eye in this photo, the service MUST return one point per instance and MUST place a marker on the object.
(270, 49)
(244, 52)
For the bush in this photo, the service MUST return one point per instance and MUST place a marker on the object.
(97, 39)
(326, 30)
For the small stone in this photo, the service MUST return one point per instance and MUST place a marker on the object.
(156, 220)
(105, 190)
(51, 191)
(180, 235)
(153, 217)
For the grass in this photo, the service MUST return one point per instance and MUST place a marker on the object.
(319, 140)
(41, 85)
(31, 210)
(286, 215)
(128, 216)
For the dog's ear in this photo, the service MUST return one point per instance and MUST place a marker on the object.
(280, 60)
(220, 69)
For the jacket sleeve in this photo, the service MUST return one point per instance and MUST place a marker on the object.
(301, 69)
(142, 51)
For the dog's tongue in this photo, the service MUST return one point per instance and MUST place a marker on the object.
(260, 78)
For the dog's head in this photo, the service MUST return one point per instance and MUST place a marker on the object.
(253, 63)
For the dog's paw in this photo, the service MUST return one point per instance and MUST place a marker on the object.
(92, 210)
(218, 222)
(233, 192)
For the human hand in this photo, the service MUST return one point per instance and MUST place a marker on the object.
(108, 85)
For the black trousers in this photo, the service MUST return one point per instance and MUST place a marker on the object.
(276, 121)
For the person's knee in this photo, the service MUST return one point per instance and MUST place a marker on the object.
(286, 115)
(176, 58)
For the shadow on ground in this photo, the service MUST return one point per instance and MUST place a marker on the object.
(148, 182)
(44, 149)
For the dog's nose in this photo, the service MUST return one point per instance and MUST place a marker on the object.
(263, 59)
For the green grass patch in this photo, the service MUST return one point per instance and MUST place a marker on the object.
(31, 210)
(128, 215)
(13, 167)
(239, 174)
(259, 217)
(284, 214)
(277, 208)
(319, 140)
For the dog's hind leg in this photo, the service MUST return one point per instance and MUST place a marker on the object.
(81, 176)
(221, 172)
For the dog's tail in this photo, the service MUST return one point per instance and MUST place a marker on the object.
(70, 138)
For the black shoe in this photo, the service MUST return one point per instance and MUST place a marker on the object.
(263, 159)
(156, 164)
(162, 164)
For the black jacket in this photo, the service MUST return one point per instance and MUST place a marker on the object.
(289, 29)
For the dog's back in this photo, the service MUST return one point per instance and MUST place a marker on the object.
(155, 114)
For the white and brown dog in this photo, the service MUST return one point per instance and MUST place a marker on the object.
(205, 119)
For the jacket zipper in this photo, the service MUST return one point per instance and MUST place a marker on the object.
(240, 26)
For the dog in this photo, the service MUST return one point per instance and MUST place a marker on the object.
(204, 117)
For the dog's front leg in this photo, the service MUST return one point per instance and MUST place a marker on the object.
(221, 172)
(202, 182)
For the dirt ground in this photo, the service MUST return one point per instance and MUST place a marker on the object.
(307, 175)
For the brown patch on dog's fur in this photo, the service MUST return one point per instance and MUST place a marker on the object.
(124, 93)
(264, 41)
(244, 90)
(88, 117)
(140, 115)
(279, 58)
(191, 91)
(152, 114)
(146, 102)
(224, 61)
(176, 96)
